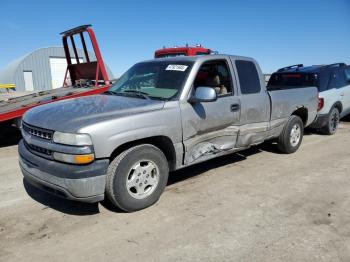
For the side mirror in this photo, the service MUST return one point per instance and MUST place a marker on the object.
(204, 94)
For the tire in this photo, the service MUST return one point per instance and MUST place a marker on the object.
(333, 122)
(137, 177)
(291, 136)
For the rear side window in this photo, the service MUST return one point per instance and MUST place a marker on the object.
(291, 80)
(347, 74)
(248, 77)
(338, 79)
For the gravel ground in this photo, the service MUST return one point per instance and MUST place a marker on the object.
(257, 205)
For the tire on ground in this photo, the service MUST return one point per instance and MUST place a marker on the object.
(118, 174)
(333, 122)
(288, 141)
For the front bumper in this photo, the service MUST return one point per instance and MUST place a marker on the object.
(84, 183)
(320, 121)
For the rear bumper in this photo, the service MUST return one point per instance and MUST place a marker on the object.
(80, 183)
(320, 121)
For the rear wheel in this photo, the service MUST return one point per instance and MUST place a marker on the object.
(333, 122)
(291, 136)
(137, 177)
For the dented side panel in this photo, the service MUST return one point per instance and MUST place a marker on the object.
(207, 145)
(252, 134)
(209, 128)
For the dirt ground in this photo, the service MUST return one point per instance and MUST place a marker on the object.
(257, 205)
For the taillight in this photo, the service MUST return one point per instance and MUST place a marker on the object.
(320, 103)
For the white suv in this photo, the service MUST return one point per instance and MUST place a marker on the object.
(333, 83)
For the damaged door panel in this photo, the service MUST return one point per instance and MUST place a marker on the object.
(205, 146)
(252, 134)
(211, 128)
(255, 114)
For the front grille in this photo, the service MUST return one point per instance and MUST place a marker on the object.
(37, 131)
(38, 149)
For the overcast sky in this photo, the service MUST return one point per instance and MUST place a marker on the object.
(276, 33)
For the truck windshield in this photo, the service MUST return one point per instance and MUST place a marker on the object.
(155, 80)
(285, 80)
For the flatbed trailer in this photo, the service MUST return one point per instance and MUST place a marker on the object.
(14, 108)
(87, 78)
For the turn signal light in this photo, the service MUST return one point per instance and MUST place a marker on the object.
(83, 159)
(74, 159)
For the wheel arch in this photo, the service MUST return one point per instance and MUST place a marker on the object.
(337, 105)
(164, 143)
(303, 113)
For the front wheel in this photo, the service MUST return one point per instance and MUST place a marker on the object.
(333, 122)
(137, 177)
(291, 136)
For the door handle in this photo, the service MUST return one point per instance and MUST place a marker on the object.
(235, 107)
(342, 94)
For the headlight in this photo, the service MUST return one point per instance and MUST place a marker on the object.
(74, 159)
(72, 139)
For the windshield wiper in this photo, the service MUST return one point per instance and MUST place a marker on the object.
(114, 93)
(109, 92)
(138, 93)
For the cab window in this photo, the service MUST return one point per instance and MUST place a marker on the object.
(215, 74)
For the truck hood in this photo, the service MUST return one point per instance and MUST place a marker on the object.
(72, 114)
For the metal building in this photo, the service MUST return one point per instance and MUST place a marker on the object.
(40, 70)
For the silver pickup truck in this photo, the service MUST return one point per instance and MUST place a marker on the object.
(161, 115)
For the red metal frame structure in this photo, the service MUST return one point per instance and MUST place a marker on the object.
(88, 70)
(182, 51)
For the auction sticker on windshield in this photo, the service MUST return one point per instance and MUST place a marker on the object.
(176, 67)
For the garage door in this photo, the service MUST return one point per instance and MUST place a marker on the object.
(58, 68)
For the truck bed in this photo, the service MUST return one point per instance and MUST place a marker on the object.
(284, 101)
